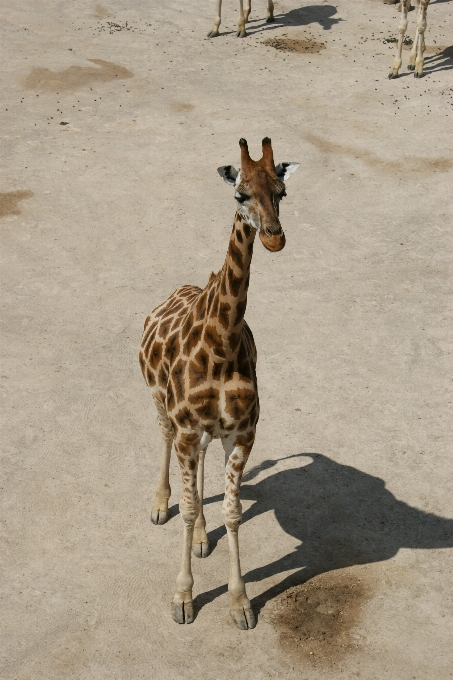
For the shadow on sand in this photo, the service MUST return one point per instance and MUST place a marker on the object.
(342, 517)
(303, 16)
(443, 61)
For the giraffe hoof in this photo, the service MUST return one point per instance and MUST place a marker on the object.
(213, 34)
(270, 20)
(418, 75)
(392, 75)
(411, 67)
(182, 612)
(201, 549)
(159, 516)
(242, 34)
(244, 618)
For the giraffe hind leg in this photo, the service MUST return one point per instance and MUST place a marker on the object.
(242, 33)
(421, 28)
(159, 513)
(200, 541)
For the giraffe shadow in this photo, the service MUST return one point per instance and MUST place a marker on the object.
(341, 517)
(303, 16)
(443, 61)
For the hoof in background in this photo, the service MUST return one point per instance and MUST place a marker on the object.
(244, 618)
(159, 516)
(201, 549)
(182, 612)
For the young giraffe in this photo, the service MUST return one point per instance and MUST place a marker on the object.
(243, 18)
(198, 357)
(418, 46)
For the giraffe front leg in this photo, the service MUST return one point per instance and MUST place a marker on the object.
(405, 4)
(159, 513)
(214, 32)
(270, 12)
(242, 33)
(200, 543)
(187, 447)
(240, 608)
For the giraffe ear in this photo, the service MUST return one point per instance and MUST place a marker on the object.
(228, 174)
(285, 170)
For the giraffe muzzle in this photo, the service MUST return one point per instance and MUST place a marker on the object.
(273, 242)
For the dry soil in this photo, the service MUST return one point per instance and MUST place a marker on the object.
(114, 120)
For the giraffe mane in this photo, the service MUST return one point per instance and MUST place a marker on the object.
(214, 276)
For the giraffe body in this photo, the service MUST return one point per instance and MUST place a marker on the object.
(198, 356)
(418, 46)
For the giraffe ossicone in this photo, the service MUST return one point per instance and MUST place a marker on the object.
(198, 356)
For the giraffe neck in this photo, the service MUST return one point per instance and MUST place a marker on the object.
(227, 297)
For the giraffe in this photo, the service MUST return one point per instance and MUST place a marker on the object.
(243, 18)
(418, 46)
(198, 356)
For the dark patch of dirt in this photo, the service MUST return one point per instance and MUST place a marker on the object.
(9, 201)
(415, 164)
(101, 12)
(293, 45)
(75, 77)
(182, 107)
(316, 619)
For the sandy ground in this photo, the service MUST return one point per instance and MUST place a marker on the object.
(111, 139)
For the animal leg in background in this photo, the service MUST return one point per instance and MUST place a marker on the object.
(214, 32)
(418, 46)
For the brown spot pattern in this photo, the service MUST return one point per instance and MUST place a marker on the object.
(214, 341)
(185, 418)
(198, 369)
(156, 355)
(206, 403)
(237, 402)
(177, 376)
(223, 316)
(193, 339)
(172, 348)
(234, 282)
(236, 255)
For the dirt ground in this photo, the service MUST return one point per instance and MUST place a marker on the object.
(114, 120)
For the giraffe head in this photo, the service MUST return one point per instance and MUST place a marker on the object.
(259, 188)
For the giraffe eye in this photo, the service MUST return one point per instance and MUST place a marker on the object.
(241, 197)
